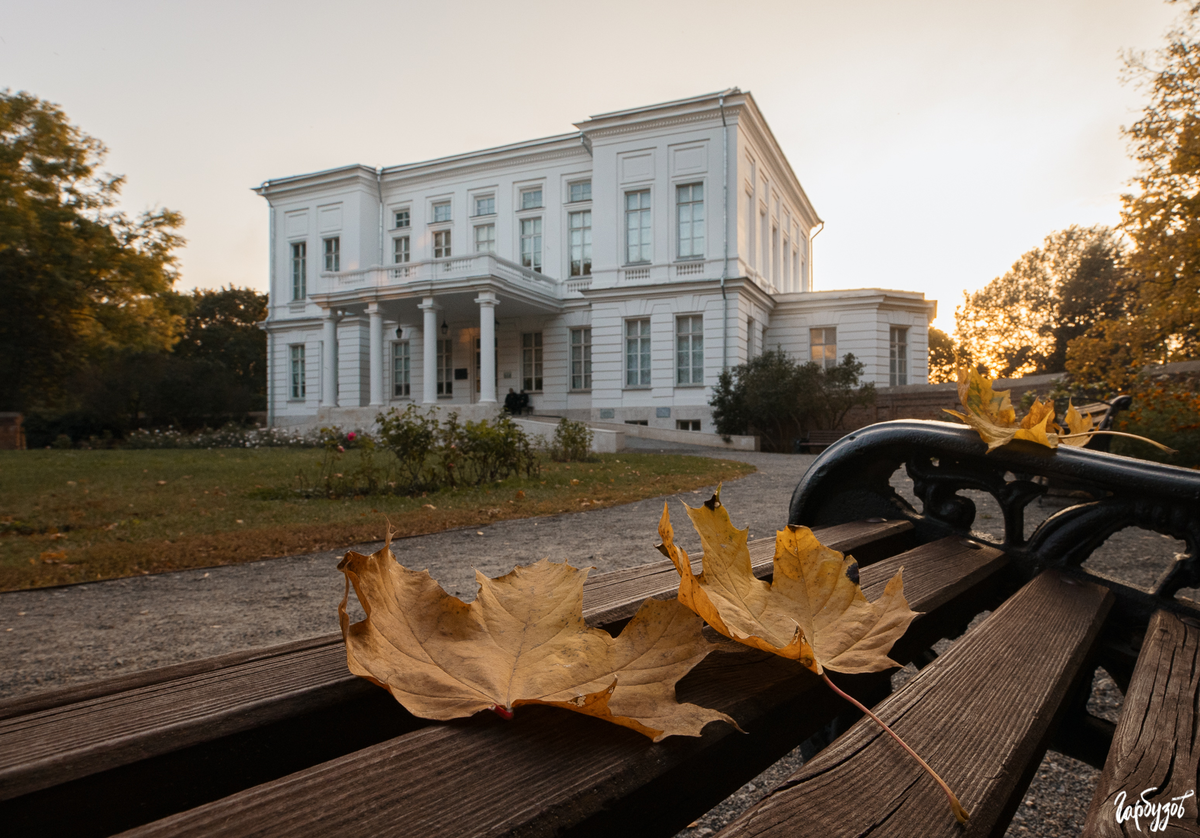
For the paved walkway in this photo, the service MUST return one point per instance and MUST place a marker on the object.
(59, 636)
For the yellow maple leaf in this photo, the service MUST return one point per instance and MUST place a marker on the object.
(522, 641)
(813, 611)
(991, 414)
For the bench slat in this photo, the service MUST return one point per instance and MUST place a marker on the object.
(557, 773)
(51, 743)
(1157, 741)
(980, 715)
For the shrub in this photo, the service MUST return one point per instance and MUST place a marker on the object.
(572, 442)
(412, 436)
(485, 452)
(1164, 412)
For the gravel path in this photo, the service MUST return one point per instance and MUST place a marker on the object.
(56, 637)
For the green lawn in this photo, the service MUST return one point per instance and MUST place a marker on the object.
(70, 516)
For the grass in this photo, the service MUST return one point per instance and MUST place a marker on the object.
(74, 516)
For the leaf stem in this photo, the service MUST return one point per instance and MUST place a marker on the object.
(960, 813)
(1118, 433)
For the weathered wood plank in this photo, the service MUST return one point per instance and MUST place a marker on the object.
(555, 773)
(45, 741)
(1156, 746)
(980, 715)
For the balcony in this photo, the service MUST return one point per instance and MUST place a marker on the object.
(463, 268)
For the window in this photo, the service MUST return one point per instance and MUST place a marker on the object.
(689, 349)
(445, 367)
(531, 244)
(333, 254)
(485, 238)
(689, 200)
(441, 244)
(580, 191)
(899, 356)
(579, 226)
(637, 353)
(441, 212)
(400, 249)
(531, 198)
(297, 354)
(750, 228)
(642, 422)
(299, 270)
(637, 226)
(485, 205)
(687, 424)
(401, 218)
(751, 338)
(401, 370)
(531, 362)
(581, 359)
(824, 346)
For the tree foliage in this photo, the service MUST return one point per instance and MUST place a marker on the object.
(80, 277)
(942, 364)
(222, 327)
(1161, 319)
(1021, 323)
(778, 399)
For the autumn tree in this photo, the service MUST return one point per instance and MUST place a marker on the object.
(1161, 319)
(80, 277)
(1021, 323)
(942, 366)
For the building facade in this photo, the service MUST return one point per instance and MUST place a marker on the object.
(611, 273)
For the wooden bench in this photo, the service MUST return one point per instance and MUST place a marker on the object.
(285, 741)
(818, 441)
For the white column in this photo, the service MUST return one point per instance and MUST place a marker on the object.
(376, 316)
(487, 346)
(329, 361)
(429, 361)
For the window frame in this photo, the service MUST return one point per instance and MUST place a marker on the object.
(898, 356)
(490, 241)
(571, 199)
(444, 364)
(645, 243)
(584, 245)
(581, 359)
(401, 382)
(435, 207)
(396, 216)
(692, 425)
(697, 242)
(297, 372)
(490, 196)
(533, 376)
(299, 271)
(535, 240)
(827, 360)
(643, 373)
(398, 251)
(529, 192)
(443, 244)
(695, 343)
(332, 256)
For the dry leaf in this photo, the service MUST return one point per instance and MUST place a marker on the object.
(991, 414)
(522, 641)
(813, 611)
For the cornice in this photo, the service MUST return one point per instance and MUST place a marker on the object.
(651, 125)
(402, 180)
(759, 132)
(345, 176)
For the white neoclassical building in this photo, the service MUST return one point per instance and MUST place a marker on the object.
(611, 273)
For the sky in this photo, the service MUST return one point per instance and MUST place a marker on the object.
(938, 139)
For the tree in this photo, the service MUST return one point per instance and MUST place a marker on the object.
(1021, 323)
(942, 365)
(1161, 319)
(778, 399)
(222, 327)
(80, 278)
